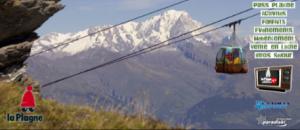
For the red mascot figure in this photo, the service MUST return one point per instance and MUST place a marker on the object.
(28, 102)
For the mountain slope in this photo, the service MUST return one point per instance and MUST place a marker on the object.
(168, 73)
(58, 116)
(171, 83)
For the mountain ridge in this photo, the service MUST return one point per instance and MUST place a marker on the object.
(128, 37)
(172, 83)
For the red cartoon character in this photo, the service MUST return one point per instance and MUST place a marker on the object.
(274, 80)
(28, 102)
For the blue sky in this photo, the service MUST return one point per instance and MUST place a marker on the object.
(81, 14)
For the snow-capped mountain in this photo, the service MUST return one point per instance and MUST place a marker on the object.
(127, 37)
(177, 84)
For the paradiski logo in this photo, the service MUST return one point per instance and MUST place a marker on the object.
(278, 122)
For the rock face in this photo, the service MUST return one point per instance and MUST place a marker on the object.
(13, 54)
(18, 21)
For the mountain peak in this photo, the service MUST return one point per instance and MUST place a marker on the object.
(127, 37)
(177, 13)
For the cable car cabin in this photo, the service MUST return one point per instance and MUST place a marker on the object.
(231, 60)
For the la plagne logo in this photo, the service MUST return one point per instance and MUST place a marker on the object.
(277, 122)
(27, 107)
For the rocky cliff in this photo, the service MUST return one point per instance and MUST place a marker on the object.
(18, 21)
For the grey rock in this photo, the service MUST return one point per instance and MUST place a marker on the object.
(13, 55)
(19, 17)
(18, 21)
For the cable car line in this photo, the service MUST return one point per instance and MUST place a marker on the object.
(152, 46)
(138, 17)
(145, 50)
(156, 46)
(108, 28)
